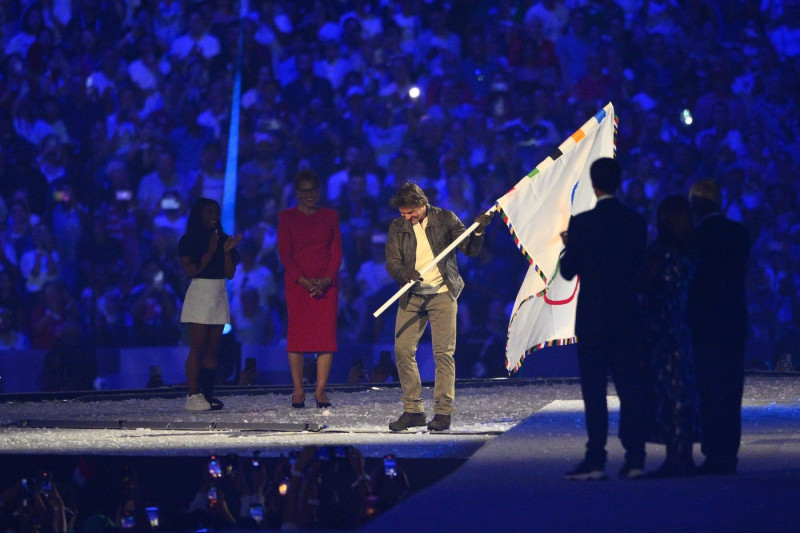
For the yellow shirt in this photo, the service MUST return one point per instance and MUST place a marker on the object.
(432, 281)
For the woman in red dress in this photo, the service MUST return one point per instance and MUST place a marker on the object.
(310, 248)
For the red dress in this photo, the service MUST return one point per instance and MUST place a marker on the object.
(310, 246)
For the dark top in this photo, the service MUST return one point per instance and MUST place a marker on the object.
(194, 245)
(606, 248)
(717, 303)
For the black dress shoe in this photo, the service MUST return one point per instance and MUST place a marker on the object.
(631, 471)
(408, 420)
(321, 405)
(586, 472)
(710, 468)
(216, 405)
(439, 423)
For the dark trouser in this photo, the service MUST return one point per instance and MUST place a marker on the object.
(596, 360)
(720, 380)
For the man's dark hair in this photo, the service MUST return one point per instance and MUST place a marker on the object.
(606, 174)
(409, 195)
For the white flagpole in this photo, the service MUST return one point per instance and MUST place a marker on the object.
(432, 264)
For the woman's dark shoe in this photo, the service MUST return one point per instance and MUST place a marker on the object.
(322, 405)
(298, 405)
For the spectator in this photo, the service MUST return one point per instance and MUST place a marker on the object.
(385, 369)
(70, 364)
(154, 306)
(110, 326)
(153, 186)
(10, 337)
(197, 42)
(252, 322)
(171, 214)
(252, 274)
(188, 138)
(208, 180)
(12, 295)
(32, 24)
(68, 220)
(353, 161)
(40, 264)
(18, 237)
(51, 315)
(307, 85)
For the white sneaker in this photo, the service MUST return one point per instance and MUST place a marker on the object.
(197, 402)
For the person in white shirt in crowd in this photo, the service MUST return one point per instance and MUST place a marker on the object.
(196, 41)
(39, 265)
(171, 213)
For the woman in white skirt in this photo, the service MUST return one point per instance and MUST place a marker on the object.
(208, 256)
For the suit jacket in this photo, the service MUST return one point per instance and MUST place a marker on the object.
(717, 303)
(606, 249)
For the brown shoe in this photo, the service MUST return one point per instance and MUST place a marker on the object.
(408, 420)
(439, 423)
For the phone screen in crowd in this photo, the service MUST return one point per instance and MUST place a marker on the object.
(257, 512)
(152, 515)
(214, 468)
(45, 484)
(170, 203)
(293, 457)
(128, 520)
(124, 195)
(61, 196)
(389, 466)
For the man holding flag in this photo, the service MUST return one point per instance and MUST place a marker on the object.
(416, 237)
(605, 248)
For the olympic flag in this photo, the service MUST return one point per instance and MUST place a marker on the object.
(536, 211)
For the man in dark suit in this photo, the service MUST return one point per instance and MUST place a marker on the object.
(605, 247)
(718, 321)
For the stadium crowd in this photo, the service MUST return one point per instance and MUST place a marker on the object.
(331, 488)
(115, 116)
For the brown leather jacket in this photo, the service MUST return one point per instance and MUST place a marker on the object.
(442, 229)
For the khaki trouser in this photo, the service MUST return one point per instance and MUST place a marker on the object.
(440, 309)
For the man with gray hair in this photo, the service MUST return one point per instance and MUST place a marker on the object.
(416, 237)
(718, 321)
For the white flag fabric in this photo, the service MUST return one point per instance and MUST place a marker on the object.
(536, 211)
